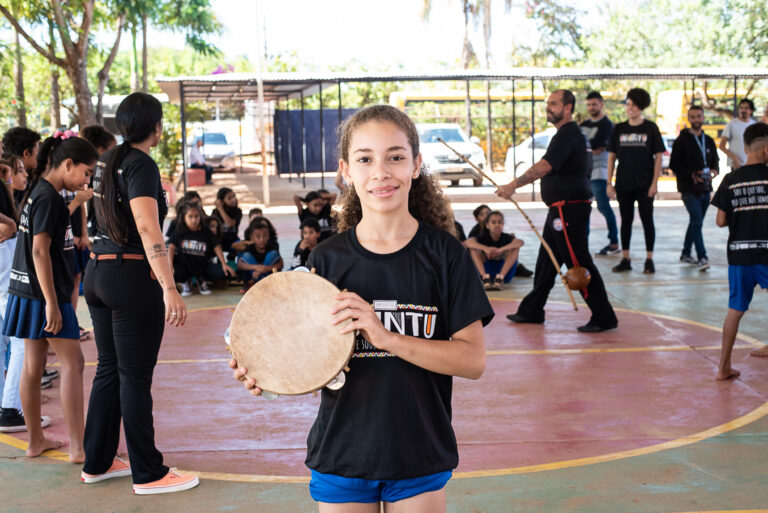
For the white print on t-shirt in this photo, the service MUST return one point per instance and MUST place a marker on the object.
(557, 224)
(69, 239)
(19, 276)
(749, 195)
(748, 244)
(633, 139)
(412, 320)
(194, 247)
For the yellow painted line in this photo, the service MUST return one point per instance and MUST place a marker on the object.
(752, 416)
(22, 445)
(248, 478)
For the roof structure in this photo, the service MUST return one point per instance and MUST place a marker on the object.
(277, 86)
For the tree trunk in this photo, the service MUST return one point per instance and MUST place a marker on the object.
(55, 99)
(467, 53)
(79, 78)
(21, 108)
(103, 73)
(144, 83)
(134, 61)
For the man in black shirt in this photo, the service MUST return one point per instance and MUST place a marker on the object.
(695, 162)
(564, 170)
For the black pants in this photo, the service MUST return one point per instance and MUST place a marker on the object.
(577, 223)
(186, 267)
(208, 171)
(626, 201)
(127, 310)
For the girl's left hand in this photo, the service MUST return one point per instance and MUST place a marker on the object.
(652, 190)
(53, 319)
(351, 306)
(228, 270)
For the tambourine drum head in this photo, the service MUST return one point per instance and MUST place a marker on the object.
(578, 278)
(282, 333)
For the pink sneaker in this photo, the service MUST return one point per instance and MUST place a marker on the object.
(119, 468)
(172, 482)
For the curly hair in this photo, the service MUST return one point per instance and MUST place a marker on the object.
(19, 139)
(426, 201)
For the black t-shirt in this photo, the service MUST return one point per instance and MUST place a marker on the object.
(17, 197)
(459, 231)
(571, 166)
(687, 158)
(486, 240)
(44, 212)
(137, 177)
(197, 246)
(743, 196)
(475, 231)
(392, 419)
(300, 256)
(229, 234)
(635, 148)
(324, 218)
(7, 205)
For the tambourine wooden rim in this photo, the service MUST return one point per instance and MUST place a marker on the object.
(282, 332)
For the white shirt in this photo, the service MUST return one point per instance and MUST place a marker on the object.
(734, 133)
(196, 157)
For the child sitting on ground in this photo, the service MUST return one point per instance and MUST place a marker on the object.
(191, 248)
(480, 213)
(255, 212)
(229, 215)
(319, 207)
(257, 260)
(310, 236)
(495, 252)
(742, 203)
(190, 196)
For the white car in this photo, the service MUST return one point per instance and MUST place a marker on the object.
(522, 152)
(217, 150)
(440, 160)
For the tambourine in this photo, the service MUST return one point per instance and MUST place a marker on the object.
(282, 332)
(578, 278)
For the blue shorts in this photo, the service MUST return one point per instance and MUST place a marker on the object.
(493, 267)
(742, 280)
(338, 490)
(270, 258)
(25, 318)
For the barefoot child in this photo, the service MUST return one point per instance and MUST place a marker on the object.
(39, 308)
(742, 206)
(386, 436)
(495, 252)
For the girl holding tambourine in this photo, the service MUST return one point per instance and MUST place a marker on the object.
(418, 303)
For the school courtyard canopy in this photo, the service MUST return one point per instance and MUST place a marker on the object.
(237, 87)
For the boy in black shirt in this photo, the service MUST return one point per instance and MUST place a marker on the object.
(310, 235)
(742, 206)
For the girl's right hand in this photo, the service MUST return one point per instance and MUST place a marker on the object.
(175, 309)
(53, 318)
(610, 191)
(248, 383)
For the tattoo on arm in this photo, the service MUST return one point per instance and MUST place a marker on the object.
(156, 248)
(161, 254)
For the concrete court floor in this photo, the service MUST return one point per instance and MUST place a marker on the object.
(627, 421)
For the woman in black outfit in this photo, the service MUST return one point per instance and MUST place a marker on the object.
(130, 290)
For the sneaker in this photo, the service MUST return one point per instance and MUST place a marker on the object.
(204, 288)
(487, 285)
(498, 283)
(172, 482)
(12, 421)
(523, 271)
(186, 289)
(624, 266)
(649, 268)
(119, 468)
(703, 265)
(50, 374)
(45, 383)
(688, 259)
(610, 249)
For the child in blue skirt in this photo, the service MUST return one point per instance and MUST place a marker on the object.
(40, 289)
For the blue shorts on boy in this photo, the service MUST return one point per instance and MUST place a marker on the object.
(249, 258)
(742, 280)
(337, 489)
(25, 318)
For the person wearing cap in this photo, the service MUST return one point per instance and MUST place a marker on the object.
(638, 147)
(732, 140)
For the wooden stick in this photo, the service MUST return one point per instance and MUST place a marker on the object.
(533, 227)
